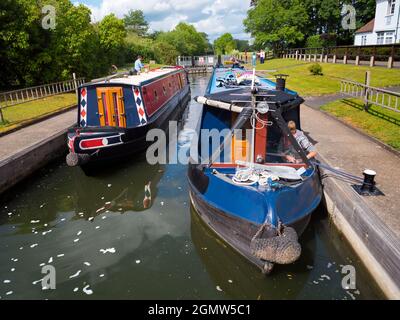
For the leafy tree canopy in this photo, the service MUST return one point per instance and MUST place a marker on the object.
(136, 22)
(225, 44)
(186, 40)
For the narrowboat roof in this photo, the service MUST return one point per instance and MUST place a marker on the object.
(137, 80)
(244, 96)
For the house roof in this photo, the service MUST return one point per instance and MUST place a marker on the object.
(369, 27)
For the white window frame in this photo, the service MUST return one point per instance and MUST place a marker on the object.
(380, 38)
(363, 40)
(391, 7)
(389, 37)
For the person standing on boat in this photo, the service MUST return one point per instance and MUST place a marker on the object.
(290, 155)
(138, 65)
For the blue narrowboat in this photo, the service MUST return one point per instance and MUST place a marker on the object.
(243, 187)
(115, 114)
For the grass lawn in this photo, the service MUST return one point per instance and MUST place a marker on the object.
(378, 122)
(19, 114)
(305, 84)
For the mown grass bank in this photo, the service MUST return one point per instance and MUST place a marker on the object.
(301, 80)
(16, 116)
(377, 122)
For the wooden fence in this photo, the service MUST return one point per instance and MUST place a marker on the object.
(382, 55)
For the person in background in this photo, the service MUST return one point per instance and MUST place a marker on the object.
(262, 56)
(303, 142)
(138, 65)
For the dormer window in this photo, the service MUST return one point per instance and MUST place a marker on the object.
(391, 6)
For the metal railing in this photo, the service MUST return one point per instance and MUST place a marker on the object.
(371, 95)
(196, 61)
(15, 97)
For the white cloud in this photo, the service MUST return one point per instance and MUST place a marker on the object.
(214, 17)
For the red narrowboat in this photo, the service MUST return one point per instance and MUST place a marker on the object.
(115, 114)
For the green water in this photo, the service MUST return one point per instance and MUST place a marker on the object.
(159, 248)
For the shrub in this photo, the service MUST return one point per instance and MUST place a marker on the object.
(316, 69)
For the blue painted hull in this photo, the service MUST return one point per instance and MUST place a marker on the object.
(236, 212)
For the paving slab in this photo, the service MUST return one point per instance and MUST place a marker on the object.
(353, 152)
(25, 138)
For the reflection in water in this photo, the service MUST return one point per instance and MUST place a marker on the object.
(131, 187)
(127, 233)
(316, 275)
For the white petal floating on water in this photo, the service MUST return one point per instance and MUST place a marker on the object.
(63, 219)
(21, 248)
(315, 282)
(50, 260)
(75, 274)
(108, 202)
(138, 261)
(351, 295)
(102, 275)
(34, 245)
(324, 276)
(6, 281)
(87, 290)
(97, 227)
(109, 250)
(87, 264)
(8, 293)
(162, 203)
(42, 205)
(230, 281)
(35, 221)
(76, 240)
(79, 233)
(12, 269)
(76, 289)
(109, 185)
(219, 288)
(60, 255)
(42, 264)
(91, 219)
(100, 209)
(103, 217)
(10, 213)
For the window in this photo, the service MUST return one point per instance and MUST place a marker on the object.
(363, 40)
(391, 7)
(389, 37)
(381, 36)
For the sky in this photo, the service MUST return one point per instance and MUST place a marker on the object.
(214, 17)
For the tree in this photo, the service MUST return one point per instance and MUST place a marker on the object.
(225, 44)
(276, 23)
(242, 45)
(185, 39)
(112, 35)
(136, 22)
(165, 52)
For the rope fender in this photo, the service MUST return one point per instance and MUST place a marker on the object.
(77, 159)
(282, 249)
